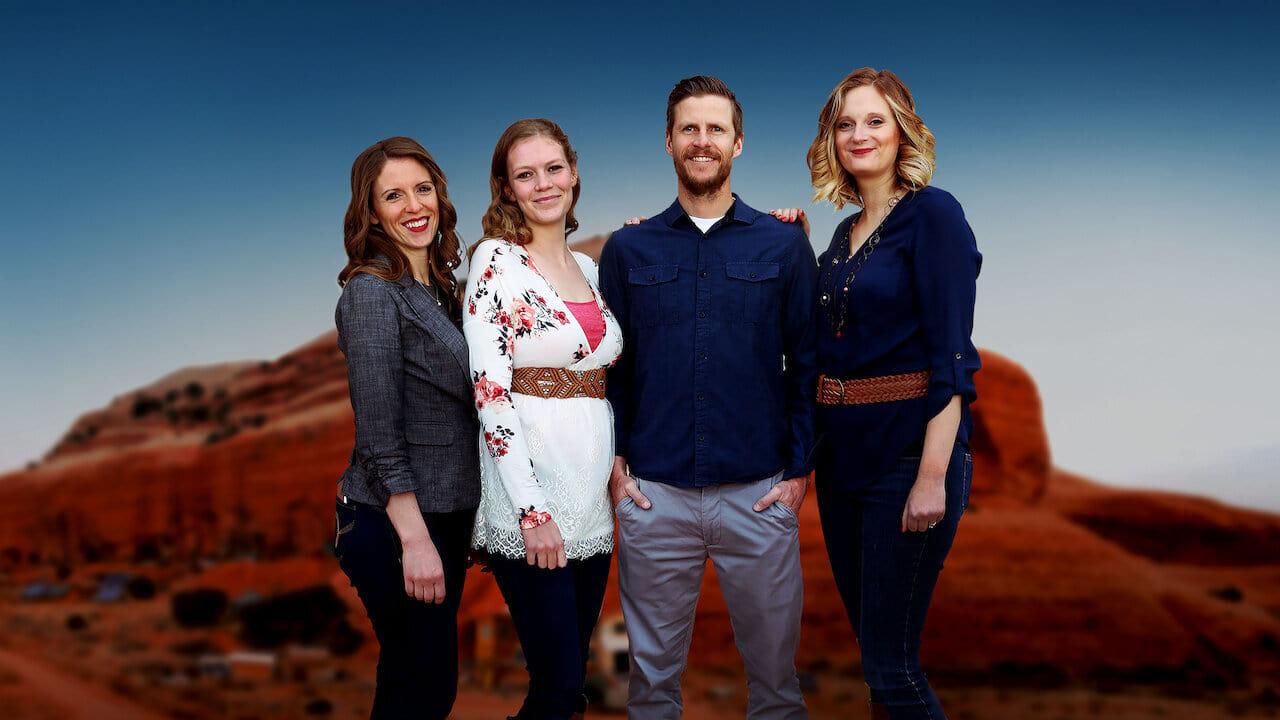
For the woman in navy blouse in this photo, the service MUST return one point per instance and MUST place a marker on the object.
(896, 296)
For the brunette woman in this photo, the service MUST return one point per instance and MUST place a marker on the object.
(540, 339)
(896, 364)
(407, 500)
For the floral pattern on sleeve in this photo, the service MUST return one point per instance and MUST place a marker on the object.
(497, 441)
(488, 391)
(495, 318)
(530, 458)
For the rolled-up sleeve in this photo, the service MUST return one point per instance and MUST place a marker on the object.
(800, 337)
(618, 389)
(369, 334)
(946, 266)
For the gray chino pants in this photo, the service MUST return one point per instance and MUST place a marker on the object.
(662, 553)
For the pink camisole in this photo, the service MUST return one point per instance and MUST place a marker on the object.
(586, 313)
(589, 317)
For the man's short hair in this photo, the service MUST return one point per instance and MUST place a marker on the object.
(697, 86)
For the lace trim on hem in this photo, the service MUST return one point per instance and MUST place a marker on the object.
(511, 545)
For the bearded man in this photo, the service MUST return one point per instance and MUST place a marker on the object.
(713, 406)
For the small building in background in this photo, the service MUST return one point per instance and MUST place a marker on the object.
(244, 666)
(610, 663)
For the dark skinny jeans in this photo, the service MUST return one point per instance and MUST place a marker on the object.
(886, 577)
(418, 660)
(555, 614)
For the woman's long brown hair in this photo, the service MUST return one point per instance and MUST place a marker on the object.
(504, 218)
(366, 240)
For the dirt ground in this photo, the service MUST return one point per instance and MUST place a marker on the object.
(30, 689)
(123, 666)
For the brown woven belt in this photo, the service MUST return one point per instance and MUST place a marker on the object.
(886, 388)
(558, 382)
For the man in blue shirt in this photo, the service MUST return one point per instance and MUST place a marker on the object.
(713, 405)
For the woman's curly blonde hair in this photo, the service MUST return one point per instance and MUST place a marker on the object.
(917, 157)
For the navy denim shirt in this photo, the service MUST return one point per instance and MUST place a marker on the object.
(910, 308)
(717, 379)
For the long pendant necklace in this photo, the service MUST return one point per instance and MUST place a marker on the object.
(431, 290)
(837, 305)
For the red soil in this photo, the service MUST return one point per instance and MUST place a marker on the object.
(1048, 571)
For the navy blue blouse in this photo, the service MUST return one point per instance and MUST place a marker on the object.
(910, 308)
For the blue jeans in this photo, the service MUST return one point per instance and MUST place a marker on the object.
(418, 657)
(886, 577)
(554, 613)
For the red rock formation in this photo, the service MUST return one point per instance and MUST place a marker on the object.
(1010, 445)
(590, 246)
(1049, 571)
(254, 479)
(1209, 532)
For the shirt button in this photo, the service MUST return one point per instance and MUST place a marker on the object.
(702, 438)
(701, 397)
(702, 274)
(702, 356)
(702, 314)
(958, 356)
(753, 276)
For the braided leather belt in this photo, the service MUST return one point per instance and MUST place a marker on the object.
(558, 382)
(885, 388)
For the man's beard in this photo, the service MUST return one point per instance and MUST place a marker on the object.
(700, 188)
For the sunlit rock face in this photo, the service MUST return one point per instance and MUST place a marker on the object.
(1053, 575)
(1010, 445)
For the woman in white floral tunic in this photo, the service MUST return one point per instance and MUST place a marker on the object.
(540, 338)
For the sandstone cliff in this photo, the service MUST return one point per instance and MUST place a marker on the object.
(1052, 575)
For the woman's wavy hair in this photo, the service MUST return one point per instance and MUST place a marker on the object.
(504, 218)
(917, 156)
(365, 240)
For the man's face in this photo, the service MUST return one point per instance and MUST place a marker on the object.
(702, 143)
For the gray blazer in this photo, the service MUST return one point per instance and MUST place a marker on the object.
(407, 369)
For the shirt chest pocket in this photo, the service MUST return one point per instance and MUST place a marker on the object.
(752, 288)
(653, 295)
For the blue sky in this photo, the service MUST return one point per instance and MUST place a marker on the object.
(175, 174)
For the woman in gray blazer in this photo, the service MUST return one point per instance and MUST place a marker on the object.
(407, 500)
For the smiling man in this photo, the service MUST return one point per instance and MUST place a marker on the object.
(713, 405)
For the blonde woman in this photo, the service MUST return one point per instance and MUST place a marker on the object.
(896, 362)
(540, 339)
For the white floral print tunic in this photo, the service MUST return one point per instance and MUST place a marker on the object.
(537, 454)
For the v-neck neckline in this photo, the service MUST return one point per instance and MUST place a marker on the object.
(595, 298)
(848, 251)
(534, 267)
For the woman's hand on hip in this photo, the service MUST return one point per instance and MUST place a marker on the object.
(544, 547)
(423, 571)
(926, 504)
